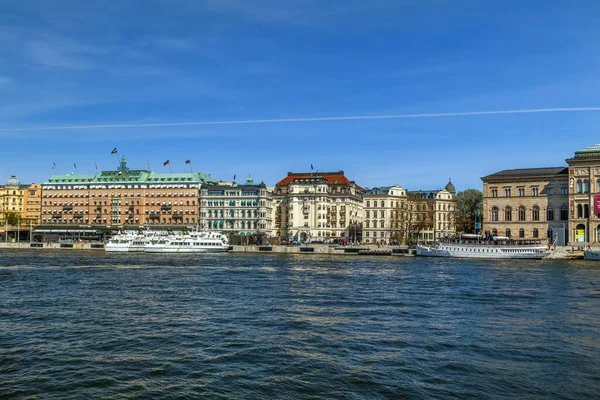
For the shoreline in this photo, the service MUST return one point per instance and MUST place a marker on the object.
(561, 253)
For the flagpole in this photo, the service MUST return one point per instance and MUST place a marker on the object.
(191, 169)
(170, 171)
(75, 166)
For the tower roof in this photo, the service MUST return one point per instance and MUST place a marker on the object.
(13, 181)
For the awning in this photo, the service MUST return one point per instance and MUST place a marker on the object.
(64, 231)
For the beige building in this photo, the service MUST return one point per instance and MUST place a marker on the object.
(21, 201)
(584, 196)
(441, 209)
(380, 207)
(527, 203)
(317, 207)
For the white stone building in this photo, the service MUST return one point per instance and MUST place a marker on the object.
(317, 207)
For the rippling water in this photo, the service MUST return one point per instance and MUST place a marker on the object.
(88, 325)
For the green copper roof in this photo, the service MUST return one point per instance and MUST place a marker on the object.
(130, 176)
(592, 151)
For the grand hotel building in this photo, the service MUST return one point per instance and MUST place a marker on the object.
(120, 199)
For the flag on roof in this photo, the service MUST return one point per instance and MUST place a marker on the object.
(113, 151)
(188, 161)
(166, 163)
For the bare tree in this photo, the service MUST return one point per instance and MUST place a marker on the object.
(410, 217)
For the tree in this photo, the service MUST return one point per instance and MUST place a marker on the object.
(469, 209)
(410, 217)
(12, 218)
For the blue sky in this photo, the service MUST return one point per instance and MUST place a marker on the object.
(69, 62)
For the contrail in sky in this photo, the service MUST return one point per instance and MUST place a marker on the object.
(315, 119)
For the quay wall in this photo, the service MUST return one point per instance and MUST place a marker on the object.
(561, 253)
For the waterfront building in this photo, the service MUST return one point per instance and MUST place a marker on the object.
(239, 209)
(584, 195)
(19, 207)
(527, 203)
(317, 207)
(380, 207)
(121, 199)
(438, 210)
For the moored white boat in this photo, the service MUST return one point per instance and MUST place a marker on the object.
(120, 243)
(196, 242)
(473, 246)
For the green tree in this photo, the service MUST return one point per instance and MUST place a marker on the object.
(12, 218)
(469, 207)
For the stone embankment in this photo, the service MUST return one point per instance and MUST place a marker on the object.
(560, 253)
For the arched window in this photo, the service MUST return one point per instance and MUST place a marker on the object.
(579, 211)
(586, 211)
(521, 233)
(494, 214)
(508, 214)
(535, 213)
(579, 187)
(535, 233)
(550, 213)
(382, 203)
(507, 232)
(521, 213)
(586, 186)
(494, 232)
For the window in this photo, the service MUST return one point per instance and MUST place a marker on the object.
(521, 213)
(521, 233)
(586, 211)
(508, 214)
(382, 214)
(507, 232)
(535, 213)
(521, 191)
(550, 213)
(579, 211)
(564, 212)
(579, 186)
(586, 186)
(494, 192)
(368, 203)
(535, 191)
(549, 191)
(565, 190)
(507, 192)
(535, 233)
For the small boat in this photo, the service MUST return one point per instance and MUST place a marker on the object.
(475, 246)
(591, 255)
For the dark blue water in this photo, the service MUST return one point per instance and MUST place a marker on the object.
(89, 325)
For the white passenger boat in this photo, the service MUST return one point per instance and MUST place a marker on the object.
(120, 242)
(474, 246)
(197, 242)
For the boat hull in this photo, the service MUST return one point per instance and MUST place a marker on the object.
(591, 255)
(185, 249)
(487, 252)
(117, 249)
